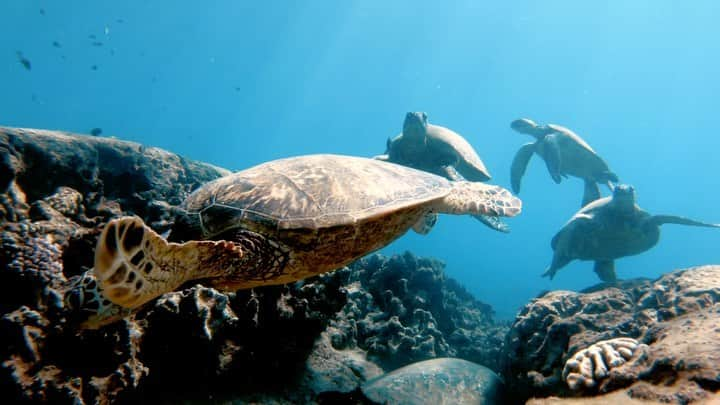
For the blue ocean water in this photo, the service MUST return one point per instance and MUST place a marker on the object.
(236, 83)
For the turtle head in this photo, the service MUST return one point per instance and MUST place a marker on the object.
(624, 196)
(530, 127)
(415, 125)
(186, 226)
(88, 308)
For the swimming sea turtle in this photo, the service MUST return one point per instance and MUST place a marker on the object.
(610, 228)
(565, 154)
(441, 151)
(279, 222)
(437, 381)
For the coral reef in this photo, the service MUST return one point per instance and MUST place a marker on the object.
(594, 363)
(295, 343)
(397, 313)
(674, 319)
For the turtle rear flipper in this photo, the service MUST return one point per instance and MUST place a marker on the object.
(551, 153)
(605, 269)
(608, 177)
(475, 198)
(519, 165)
(591, 192)
(133, 264)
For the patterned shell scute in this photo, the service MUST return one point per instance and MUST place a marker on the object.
(311, 192)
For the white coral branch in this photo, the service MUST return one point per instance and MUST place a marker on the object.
(593, 363)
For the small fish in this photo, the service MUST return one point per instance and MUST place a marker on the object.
(56, 44)
(96, 131)
(119, 21)
(92, 36)
(237, 88)
(97, 43)
(24, 61)
(94, 67)
(42, 11)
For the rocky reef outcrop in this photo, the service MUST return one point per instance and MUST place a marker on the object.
(675, 320)
(301, 342)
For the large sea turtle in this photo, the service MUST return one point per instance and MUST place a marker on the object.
(565, 154)
(275, 223)
(610, 228)
(441, 151)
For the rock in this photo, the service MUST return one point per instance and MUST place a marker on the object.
(437, 381)
(99, 169)
(340, 371)
(48, 227)
(676, 316)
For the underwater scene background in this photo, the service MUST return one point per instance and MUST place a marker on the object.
(237, 83)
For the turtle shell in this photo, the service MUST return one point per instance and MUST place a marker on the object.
(306, 193)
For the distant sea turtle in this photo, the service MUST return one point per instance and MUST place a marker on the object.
(441, 151)
(610, 228)
(276, 223)
(437, 381)
(565, 154)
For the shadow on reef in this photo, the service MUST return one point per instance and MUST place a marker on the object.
(307, 341)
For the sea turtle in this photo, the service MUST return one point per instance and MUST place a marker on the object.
(437, 381)
(276, 223)
(565, 154)
(441, 151)
(610, 228)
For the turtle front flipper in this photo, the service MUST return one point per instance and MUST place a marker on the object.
(591, 192)
(449, 172)
(519, 165)
(674, 219)
(493, 223)
(133, 264)
(425, 223)
(475, 198)
(87, 304)
(605, 269)
(551, 154)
